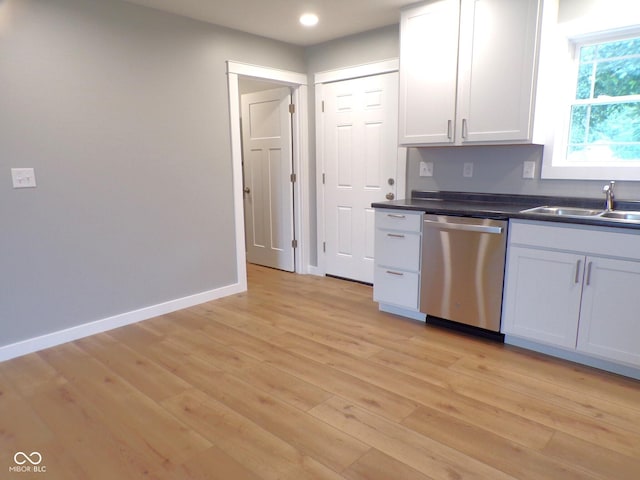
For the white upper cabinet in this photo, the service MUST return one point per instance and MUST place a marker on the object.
(467, 71)
(428, 72)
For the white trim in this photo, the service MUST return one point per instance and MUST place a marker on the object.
(99, 326)
(574, 356)
(236, 153)
(266, 73)
(320, 235)
(301, 168)
(298, 81)
(356, 71)
(403, 312)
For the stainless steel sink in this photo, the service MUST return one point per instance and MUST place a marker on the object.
(621, 215)
(564, 211)
(626, 216)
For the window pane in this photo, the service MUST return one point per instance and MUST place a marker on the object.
(578, 128)
(614, 123)
(587, 53)
(618, 49)
(601, 133)
(617, 77)
(626, 152)
(583, 89)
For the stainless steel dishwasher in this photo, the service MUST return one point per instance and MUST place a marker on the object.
(463, 269)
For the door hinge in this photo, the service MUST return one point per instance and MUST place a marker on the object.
(322, 106)
(324, 178)
(293, 178)
(324, 247)
(294, 243)
(292, 108)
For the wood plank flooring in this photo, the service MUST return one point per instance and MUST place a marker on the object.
(301, 378)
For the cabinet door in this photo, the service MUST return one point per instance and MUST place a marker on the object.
(542, 295)
(428, 72)
(498, 41)
(610, 315)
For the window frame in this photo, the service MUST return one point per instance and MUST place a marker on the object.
(555, 163)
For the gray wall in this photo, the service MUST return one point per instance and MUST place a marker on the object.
(123, 112)
(499, 170)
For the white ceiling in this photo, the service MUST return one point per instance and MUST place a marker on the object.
(278, 19)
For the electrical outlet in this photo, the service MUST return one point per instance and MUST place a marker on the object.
(23, 177)
(467, 170)
(529, 169)
(426, 169)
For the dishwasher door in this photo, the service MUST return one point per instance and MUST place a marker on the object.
(462, 272)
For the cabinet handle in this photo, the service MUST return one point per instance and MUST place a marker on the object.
(589, 273)
(464, 128)
(449, 133)
(577, 279)
(395, 235)
(395, 215)
(399, 274)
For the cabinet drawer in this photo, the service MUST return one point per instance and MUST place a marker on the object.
(398, 220)
(398, 249)
(396, 287)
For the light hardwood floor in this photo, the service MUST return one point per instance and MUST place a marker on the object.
(303, 378)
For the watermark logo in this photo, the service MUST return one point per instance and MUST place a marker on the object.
(31, 463)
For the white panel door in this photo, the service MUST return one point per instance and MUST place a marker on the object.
(267, 167)
(360, 160)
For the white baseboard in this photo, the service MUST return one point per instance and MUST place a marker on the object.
(404, 312)
(313, 270)
(74, 333)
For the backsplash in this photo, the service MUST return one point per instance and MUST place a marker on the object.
(498, 169)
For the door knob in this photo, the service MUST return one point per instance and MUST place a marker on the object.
(247, 190)
(390, 196)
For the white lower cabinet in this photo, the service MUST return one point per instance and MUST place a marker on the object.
(564, 288)
(396, 281)
(610, 313)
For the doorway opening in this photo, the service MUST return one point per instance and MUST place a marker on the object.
(246, 79)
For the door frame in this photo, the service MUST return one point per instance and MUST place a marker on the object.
(346, 73)
(300, 135)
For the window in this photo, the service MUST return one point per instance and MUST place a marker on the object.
(604, 122)
(597, 131)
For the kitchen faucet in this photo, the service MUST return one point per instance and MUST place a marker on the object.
(608, 191)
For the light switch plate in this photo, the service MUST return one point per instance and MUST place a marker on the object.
(467, 170)
(426, 169)
(23, 177)
(529, 169)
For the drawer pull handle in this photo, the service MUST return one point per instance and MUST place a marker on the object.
(399, 274)
(575, 280)
(395, 235)
(394, 215)
(589, 273)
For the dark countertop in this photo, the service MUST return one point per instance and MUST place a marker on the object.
(505, 206)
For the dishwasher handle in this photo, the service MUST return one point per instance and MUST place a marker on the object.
(463, 227)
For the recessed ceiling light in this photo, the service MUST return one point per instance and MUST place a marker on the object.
(309, 19)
